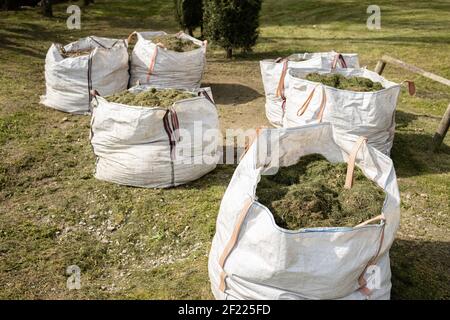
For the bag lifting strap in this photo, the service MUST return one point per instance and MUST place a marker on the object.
(251, 139)
(338, 58)
(232, 242)
(351, 162)
(280, 87)
(308, 100)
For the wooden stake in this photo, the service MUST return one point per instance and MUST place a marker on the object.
(415, 69)
(445, 121)
(380, 67)
(441, 130)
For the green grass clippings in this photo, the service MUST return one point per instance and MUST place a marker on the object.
(171, 42)
(338, 81)
(151, 98)
(311, 194)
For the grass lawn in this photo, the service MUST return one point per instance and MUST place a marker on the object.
(153, 244)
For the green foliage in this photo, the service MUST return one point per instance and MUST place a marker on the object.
(232, 23)
(189, 14)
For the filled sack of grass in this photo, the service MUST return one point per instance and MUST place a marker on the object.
(152, 138)
(308, 214)
(273, 73)
(72, 71)
(356, 101)
(161, 60)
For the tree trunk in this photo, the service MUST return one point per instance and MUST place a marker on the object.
(47, 8)
(229, 53)
(9, 5)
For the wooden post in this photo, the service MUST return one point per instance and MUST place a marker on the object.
(445, 121)
(380, 67)
(414, 69)
(441, 130)
(229, 53)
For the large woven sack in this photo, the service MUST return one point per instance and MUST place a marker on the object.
(273, 73)
(369, 114)
(154, 147)
(161, 68)
(253, 258)
(69, 81)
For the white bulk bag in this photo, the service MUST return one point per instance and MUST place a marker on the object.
(273, 73)
(70, 80)
(161, 68)
(138, 146)
(253, 258)
(369, 114)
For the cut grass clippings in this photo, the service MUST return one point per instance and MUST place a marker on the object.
(296, 58)
(338, 81)
(311, 194)
(172, 42)
(75, 53)
(151, 98)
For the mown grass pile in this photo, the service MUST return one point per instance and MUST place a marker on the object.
(151, 98)
(75, 53)
(296, 58)
(311, 194)
(171, 42)
(339, 81)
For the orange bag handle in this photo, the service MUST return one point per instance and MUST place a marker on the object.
(151, 65)
(280, 87)
(305, 104)
(351, 162)
(232, 242)
(338, 58)
(251, 140)
(411, 87)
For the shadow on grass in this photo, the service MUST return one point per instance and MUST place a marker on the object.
(420, 269)
(232, 93)
(30, 32)
(21, 40)
(141, 15)
(412, 154)
(18, 49)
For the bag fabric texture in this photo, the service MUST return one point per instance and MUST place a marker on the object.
(154, 147)
(161, 68)
(273, 71)
(252, 258)
(69, 81)
(369, 114)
